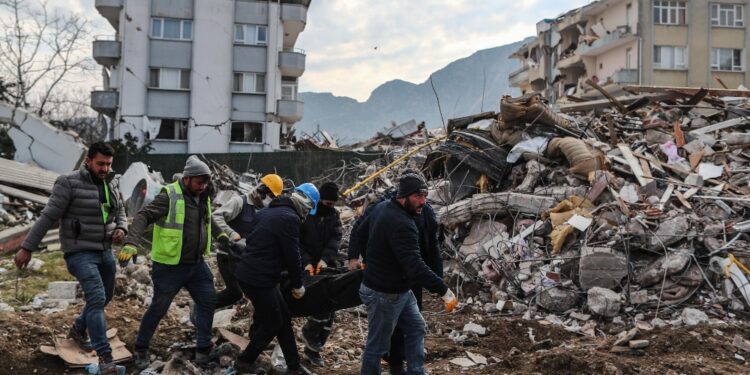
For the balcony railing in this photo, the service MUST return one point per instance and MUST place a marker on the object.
(614, 39)
(625, 76)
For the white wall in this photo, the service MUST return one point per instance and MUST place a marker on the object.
(133, 68)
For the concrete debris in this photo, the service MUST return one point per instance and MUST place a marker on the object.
(601, 267)
(62, 290)
(472, 327)
(638, 344)
(463, 362)
(603, 302)
(692, 317)
(557, 299)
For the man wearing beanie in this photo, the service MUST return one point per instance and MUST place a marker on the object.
(394, 264)
(319, 245)
(181, 215)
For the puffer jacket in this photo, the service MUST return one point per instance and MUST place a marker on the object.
(75, 203)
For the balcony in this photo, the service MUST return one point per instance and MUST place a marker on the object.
(294, 19)
(107, 51)
(105, 101)
(625, 76)
(292, 62)
(519, 76)
(110, 9)
(570, 61)
(290, 111)
(614, 39)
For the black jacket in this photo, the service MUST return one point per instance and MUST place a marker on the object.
(427, 225)
(394, 261)
(320, 239)
(272, 247)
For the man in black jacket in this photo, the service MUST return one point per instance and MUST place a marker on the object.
(272, 247)
(319, 246)
(394, 264)
(427, 227)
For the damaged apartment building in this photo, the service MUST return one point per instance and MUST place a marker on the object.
(201, 76)
(616, 43)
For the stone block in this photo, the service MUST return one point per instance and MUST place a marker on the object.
(62, 290)
(601, 267)
(557, 299)
(603, 302)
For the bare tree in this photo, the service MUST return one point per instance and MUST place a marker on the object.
(41, 51)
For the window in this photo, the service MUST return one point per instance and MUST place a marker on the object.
(251, 132)
(628, 57)
(288, 90)
(170, 79)
(670, 12)
(727, 59)
(250, 82)
(171, 28)
(173, 129)
(670, 57)
(250, 34)
(727, 15)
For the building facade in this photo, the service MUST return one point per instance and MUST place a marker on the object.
(202, 76)
(696, 43)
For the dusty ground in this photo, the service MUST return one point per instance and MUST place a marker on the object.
(698, 350)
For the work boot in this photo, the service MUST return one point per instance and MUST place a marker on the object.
(309, 338)
(314, 358)
(141, 358)
(80, 338)
(243, 368)
(203, 355)
(106, 366)
(300, 371)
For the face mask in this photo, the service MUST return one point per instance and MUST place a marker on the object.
(266, 201)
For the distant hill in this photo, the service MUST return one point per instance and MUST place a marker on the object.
(459, 86)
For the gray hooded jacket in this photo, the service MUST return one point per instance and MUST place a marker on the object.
(75, 203)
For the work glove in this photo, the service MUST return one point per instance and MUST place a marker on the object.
(321, 265)
(309, 268)
(126, 253)
(298, 293)
(450, 301)
(223, 239)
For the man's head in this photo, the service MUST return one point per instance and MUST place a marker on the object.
(196, 175)
(271, 186)
(412, 192)
(329, 194)
(99, 160)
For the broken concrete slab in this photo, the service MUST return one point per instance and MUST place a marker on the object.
(491, 204)
(601, 267)
(604, 302)
(638, 344)
(472, 327)
(62, 290)
(670, 231)
(557, 299)
(692, 317)
(671, 263)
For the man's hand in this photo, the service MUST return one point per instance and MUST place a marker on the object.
(321, 265)
(118, 235)
(450, 301)
(298, 293)
(126, 253)
(235, 237)
(309, 268)
(23, 257)
(354, 264)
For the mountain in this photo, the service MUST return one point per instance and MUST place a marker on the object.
(459, 86)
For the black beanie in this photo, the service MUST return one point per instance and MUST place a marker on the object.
(329, 191)
(410, 183)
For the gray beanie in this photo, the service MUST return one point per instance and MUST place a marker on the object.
(195, 167)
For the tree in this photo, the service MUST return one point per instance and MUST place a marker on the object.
(41, 52)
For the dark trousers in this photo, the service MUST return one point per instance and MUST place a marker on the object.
(232, 292)
(271, 318)
(168, 280)
(396, 354)
(317, 329)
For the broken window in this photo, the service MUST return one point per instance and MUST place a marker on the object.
(170, 79)
(727, 15)
(171, 28)
(253, 83)
(670, 57)
(727, 59)
(670, 13)
(173, 129)
(248, 132)
(250, 34)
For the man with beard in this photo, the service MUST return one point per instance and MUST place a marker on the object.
(319, 246)
(235, 220)
(394, 264)
(91, 212)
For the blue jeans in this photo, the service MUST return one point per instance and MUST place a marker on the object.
(168, 280)
(95, 271)
(385, 312)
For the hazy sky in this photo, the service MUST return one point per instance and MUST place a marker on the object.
(413, 37)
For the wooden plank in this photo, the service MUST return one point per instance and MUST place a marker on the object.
(604, 103)
(612, 99)
(36, 198)
(646, 169)
(665, 198)
(635, 166)
(690, 192)
(685, 90)
(720, 126)
(682, 200)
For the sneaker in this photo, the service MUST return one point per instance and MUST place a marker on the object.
(300, 371)
(141, 358)
(314, 358)
(80, 338)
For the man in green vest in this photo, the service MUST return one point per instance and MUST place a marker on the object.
(181, 215)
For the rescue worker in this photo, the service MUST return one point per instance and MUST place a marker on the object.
(273, 247)
(319, 247)
(427, 226)
(235, 220)
(394, 265)
(91, 213)
(181, 214)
